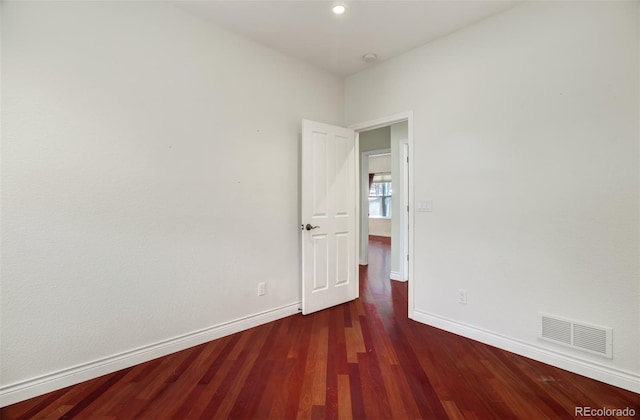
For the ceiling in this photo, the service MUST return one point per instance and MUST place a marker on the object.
(307, 29)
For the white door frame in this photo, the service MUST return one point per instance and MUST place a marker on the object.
(372, 125)
(363, 215)
(404, 213)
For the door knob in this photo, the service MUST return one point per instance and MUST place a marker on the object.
(309, 227)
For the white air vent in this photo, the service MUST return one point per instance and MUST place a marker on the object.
(555, 330)
(578, 335)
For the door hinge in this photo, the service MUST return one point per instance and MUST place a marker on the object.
(407, 209)
(407, 257)
(407, 159)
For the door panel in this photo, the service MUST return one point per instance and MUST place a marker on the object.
(320, 262)
(329, 274)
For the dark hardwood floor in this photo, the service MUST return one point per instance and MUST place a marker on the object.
(362, 360)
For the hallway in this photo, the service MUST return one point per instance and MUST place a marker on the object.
(360, 360)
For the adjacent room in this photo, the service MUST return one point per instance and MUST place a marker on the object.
(356, 209)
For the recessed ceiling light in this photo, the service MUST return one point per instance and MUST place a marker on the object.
(339, 9)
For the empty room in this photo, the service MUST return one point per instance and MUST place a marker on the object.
(186, 208)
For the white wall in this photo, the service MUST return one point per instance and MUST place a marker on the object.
(375, 139)
(149, 165)
(527, 141)
(380, 227)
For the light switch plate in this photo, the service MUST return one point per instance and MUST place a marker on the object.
(426, 206)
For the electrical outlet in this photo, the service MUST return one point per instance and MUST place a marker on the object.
(262, 289)
(462, 296)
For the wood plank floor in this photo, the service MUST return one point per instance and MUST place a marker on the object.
(362, 360)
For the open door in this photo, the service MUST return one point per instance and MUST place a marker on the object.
(329, 275)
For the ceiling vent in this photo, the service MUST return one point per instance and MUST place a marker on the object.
(578, 335)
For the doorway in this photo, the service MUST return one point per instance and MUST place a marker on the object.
(365, 183)
(402, 182)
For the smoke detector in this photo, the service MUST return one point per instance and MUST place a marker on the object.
(369, 58)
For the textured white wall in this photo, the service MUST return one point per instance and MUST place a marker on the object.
(527, 141)
(149, 165)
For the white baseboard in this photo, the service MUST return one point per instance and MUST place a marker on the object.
(10, 394)
(396, 276)
(590, 369)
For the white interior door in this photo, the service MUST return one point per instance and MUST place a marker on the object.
(329, 270)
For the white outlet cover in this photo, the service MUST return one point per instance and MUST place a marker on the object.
(462, 296)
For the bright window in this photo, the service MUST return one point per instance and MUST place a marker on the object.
(380, 196)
